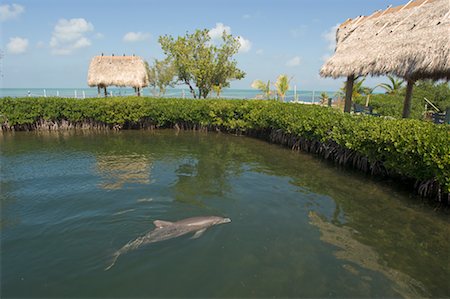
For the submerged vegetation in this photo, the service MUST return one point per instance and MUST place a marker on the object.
(400, 148)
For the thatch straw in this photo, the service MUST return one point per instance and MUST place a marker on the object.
(410, 41)
(118, 71)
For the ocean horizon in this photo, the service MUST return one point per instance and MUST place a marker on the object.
(230, 93)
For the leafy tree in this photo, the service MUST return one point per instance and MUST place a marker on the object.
(282, 86)
(152, 78)
(392, 104)
(394, 87)
(324, 98)
(199, 62)
(358, 88)
(265, 88)
(368, 93)
(161, 75)
(217, 89)
(435, 92)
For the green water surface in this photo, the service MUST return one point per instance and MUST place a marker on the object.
(301, 227)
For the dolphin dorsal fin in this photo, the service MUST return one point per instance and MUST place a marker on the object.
(161, 223)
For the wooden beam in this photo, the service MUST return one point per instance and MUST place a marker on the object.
(401, 22)
(408, 97)
(382, 14)
(406, 5)
(348, 93)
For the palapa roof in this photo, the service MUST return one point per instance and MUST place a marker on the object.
(118, 71)
(410, 41)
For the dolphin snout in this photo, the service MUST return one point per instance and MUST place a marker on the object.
(226, 220)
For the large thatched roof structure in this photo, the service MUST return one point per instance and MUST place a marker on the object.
(117, 71)
(410, 41)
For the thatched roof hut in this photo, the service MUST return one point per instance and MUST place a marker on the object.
(411, 41)
(118, 71)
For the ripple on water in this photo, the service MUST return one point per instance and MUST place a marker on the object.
(301, 227)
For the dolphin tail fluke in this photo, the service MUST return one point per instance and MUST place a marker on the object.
(115, 257)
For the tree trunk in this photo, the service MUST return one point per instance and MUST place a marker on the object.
(191, 89)
(106, 93)
(205, 93)
(348, 93)
(407, 102)
(367, 100)
(98, 90)
(139, 91)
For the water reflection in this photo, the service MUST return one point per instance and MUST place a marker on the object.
(207, 172)
(118, 170)
(364, 256)
(398, 238)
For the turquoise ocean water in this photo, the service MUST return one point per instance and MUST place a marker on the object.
(302, 95)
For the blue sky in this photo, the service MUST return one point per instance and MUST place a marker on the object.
(49, 43)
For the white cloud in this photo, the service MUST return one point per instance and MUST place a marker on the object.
(330, 37)
(295, 61)
(217, 32)
(136, 37)
(81, 43)
(259, 52)
(40, 44)
(62, 51)
(298, 32)
(17, 45)
(69, 35)
(12, 11)
(246, 45)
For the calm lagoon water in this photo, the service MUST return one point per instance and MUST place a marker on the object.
(300, 227)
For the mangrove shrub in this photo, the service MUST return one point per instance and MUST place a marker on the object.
(406, 147)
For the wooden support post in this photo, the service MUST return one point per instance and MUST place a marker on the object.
(139, 91)
(106, 93)
(348, 93)
(98, 90)
(408, 97)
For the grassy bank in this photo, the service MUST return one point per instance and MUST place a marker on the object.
(405, 149)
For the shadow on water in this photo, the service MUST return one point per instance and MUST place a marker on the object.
(343, 234)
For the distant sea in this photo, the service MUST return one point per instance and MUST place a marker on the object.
(302, 95)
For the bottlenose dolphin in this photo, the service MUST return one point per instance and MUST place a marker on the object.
(165, 230)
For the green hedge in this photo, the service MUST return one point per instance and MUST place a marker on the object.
(411, 148)
(392, 104)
